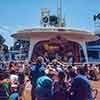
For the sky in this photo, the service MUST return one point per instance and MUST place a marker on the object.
(19, 14)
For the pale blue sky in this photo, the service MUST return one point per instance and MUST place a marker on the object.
(16, 14)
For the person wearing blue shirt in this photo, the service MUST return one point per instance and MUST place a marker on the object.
(81, 88)
(44, 88)
(37, 70)
(14, 96)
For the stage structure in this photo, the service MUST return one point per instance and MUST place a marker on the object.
(53, 37)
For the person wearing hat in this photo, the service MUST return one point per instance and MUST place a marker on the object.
(44, 88)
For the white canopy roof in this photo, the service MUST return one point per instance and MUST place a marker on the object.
(76, 35)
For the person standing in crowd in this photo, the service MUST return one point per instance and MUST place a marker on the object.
(60, 87)
(27, 89)
(12, 66)
(71, 74)
(98, 68)
(81, 89)
(14, 85)
(37, 70)
(92, 74)
(46, 58)
(4, 86)
(14, 92)
(44, 88)
(21, 77)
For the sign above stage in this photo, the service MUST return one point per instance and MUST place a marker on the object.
(41, 33)
(44, 29)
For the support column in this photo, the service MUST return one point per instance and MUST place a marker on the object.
(32, 44)
(99, 54)
(77, 53)
(30, 49)
(83, 45)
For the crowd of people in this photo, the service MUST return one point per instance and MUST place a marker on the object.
(50, 80)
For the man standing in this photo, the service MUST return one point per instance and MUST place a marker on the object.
(37, 70)
(81, 89)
